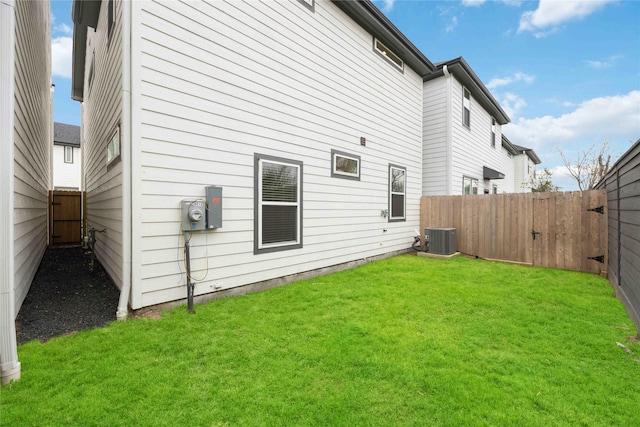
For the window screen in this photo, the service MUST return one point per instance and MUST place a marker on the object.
(278, 204)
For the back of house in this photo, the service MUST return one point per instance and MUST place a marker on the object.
(307, 114)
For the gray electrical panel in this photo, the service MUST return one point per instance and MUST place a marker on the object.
(193, 215)
(214, 207)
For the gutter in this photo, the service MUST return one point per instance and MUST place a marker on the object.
(125, 135)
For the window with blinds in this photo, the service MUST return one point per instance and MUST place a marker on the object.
(278, 204)
(397, 192)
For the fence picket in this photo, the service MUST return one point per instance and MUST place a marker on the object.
(499, 226)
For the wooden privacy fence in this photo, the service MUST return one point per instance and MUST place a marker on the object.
(558, 230)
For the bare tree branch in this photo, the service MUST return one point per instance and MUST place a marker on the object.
(590, 166)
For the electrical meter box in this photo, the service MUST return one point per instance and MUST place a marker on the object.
(193, 215)
(214, 207)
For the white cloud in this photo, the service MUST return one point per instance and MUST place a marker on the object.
(475, 3)
(607, 63)
(64, 29)
(387, 5)
(512, 104)
(550, 14)
(452, 24)
(472, 3)
(61, 51)
(503, 81)
(598, 119)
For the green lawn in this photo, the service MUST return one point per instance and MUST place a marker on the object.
(404, 341)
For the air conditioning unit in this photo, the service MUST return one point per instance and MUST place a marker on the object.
(441, 241)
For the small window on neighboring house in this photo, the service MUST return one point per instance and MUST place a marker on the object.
(397, 193)
(113, 148)
(68, 154)
(466, 107)
(91, 69)
(469, 185)
(278, 204)
(111, 12)
(344, 165)
(495, 189)
(386, 53)
(493, 132)
(309, 3)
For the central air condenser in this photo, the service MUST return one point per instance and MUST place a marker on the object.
(441, 241)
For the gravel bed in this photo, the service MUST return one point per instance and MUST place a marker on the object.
(65, 297)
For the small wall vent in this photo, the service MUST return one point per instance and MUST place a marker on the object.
(441, 241)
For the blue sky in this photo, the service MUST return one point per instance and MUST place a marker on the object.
(567, 72)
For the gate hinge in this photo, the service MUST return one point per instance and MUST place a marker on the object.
(599, 209)
(599, 258)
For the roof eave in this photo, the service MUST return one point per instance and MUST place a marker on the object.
(465, 74)
(78, 61)
(509, 146)
(369, 17)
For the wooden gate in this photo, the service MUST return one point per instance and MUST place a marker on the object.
(557, 230)
(66, 217)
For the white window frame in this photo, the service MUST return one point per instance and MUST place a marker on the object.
(494, 188)
(336, 173)
(309, 3)
(388, 54)
(113, 147)
(473, 185)
(259, 246)
(403, 193)
(68, 154)
(466, 106)
(493, 132)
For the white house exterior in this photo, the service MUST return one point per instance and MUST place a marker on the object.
(67, 157)
(464, 151)
(25, 160)
(525, 167)
(327, 94)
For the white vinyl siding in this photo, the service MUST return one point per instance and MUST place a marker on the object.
(101, 111)
(220, 81)
(33, 136)
(66, 175)
(470, 151)
(434, 125)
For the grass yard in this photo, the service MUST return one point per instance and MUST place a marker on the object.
(404, 341)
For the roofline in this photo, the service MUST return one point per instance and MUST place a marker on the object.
(467, 76)
(529, 152)
(85, 14)
(67, 144)
(78, 61)
(509, 146)
(369, 17)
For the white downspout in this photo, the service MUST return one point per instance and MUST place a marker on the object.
(449, 133)
(9, 364)
(126, 144)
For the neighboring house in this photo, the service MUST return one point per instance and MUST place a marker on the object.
(67, 157)
(464, 149)
(525, 160)
(307, 113)
(25, 160)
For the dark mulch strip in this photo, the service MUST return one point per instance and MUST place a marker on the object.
(65, 297)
